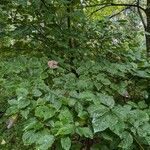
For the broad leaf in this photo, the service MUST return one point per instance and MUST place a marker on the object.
(97, 110)
(106, 100)
(127, 140)
(29, 137)
(66, 129)
(44, 112)
(84, 131)
(44, 142)
(102, 123)
(65, 116)
(66, 143)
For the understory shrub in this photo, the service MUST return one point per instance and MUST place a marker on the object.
(95, 105)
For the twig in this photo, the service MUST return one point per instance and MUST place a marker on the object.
(97, 10)
(113, 4)
(141, 147)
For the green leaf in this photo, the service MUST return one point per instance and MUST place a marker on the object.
(44, 112)
(98, 85)
(127, 140)
(12, 110)
(121, 111)
(40, 101)
(143, 74)
(144, 130)
(33, 124)
(45, 142)
(104, 80)
(102, 123)
(29, 137)
(22, 103)
(21, 92)
(57, 103)
(134, 105)
(82, 84)
(37, 93)
(66, 129)
(65, 116)
(118, 128)
(97, 110)
(78, 107)
(147, 138)
(106, 100)
(13, 102)
(107, 137)
(87, 95)
(25, 113)
(66, 143)
(71, 102)
(84, 131)
(142, 105)
(137, 117)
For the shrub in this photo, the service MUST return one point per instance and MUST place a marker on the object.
(56, 108)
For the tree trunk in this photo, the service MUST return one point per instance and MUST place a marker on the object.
(147, 11)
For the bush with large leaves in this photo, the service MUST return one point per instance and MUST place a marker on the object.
(58, 109)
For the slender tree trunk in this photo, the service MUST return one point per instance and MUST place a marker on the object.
(147, 11)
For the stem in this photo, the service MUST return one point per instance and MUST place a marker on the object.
(141, 147)
(140, 14)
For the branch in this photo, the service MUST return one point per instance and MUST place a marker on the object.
(140, 14)
(97, 10)
(113, 4)
(119, 12)
(141, 147)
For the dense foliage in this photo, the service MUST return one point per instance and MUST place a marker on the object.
(70, 81)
